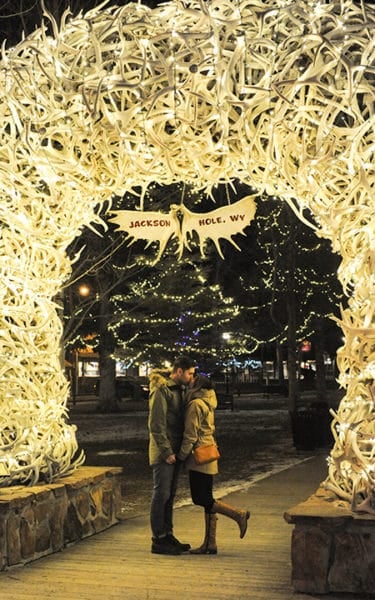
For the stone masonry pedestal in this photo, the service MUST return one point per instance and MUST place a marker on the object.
(333, 549)
(39, 520)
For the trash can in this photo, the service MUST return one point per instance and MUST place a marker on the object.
(304, 428)
(324, 435)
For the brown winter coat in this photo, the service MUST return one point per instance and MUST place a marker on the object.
(166, 417)
(199, 430)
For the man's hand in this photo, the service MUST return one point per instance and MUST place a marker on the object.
(171, 459)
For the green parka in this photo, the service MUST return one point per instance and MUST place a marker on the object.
(199, 430)
(166, 417)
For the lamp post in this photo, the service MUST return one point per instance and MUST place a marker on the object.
(226, 337)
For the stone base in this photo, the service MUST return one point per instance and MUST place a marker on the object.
(39, 520)
(333, 549)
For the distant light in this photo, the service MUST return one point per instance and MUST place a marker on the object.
(84, 290)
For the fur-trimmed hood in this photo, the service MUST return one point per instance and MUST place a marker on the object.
(158, 378)
(207, 396)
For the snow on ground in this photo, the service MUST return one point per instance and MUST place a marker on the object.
(255, 442)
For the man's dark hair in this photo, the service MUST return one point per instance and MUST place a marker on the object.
(183, 362)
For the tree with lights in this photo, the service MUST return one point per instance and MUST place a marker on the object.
(287, 288)
(295, 283)
(174, 310)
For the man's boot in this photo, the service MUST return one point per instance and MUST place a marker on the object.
(209, 543)
(240, 516)
(183, 547)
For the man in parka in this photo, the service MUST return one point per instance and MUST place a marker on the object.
(166, 427)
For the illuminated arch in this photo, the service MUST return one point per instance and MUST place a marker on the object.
(277, 94)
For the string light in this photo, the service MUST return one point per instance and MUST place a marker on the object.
(190, 312)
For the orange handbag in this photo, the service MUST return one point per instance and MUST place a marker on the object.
(206, 454)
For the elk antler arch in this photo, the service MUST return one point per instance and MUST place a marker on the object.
(277, 94)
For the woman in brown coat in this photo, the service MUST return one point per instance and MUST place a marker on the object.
(199, 430)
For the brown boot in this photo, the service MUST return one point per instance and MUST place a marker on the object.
(209, 543)
(240, 516)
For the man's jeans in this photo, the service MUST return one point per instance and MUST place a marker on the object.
(165, 479)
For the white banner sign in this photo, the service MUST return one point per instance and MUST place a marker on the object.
(181, 223)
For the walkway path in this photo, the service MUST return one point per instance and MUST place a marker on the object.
(118, 565)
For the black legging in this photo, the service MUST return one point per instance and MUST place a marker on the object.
(201, 485)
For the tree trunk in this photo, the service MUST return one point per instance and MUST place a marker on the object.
(108, 398)
(321, 389)
(279, 363)
(293, 387)
(291, 310)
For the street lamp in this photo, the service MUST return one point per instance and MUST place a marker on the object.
(84, 290)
